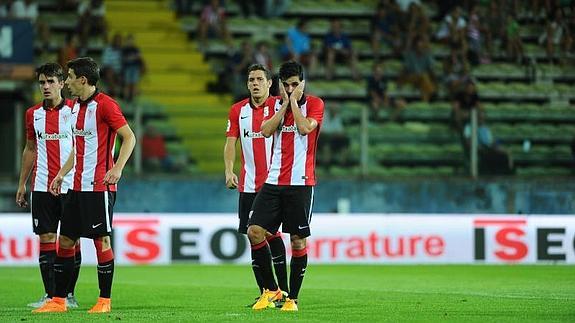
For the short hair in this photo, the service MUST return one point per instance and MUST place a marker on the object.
(289, 69)
(260, 67)
(51, 69)
(87, 67)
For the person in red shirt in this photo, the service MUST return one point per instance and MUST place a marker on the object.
(286, 198)
(97, 119)
(48, 139)
(244, 122)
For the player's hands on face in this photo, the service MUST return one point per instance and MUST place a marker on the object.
(231, 181)
(21, 197)
(56, 185)
(283, 93)
(298, 91)
(112, 176)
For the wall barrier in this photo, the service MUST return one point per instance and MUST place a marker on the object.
(368, 239)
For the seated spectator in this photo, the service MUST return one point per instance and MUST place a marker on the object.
(337, 46)
(513, 35)
(112, 65)
(154, 153)
(474, 37)
(418, 68)
(556, 35)
(493, 158)
(213, 23)
(494, 33)
(91, 20)
(452, 23)
(333, 143)
(378, 97)
(384, 28)
(298, 47)
(132, 67)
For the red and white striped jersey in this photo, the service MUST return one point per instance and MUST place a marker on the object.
(51, 129)
(96, 122)
(244, 122)
(293, 156)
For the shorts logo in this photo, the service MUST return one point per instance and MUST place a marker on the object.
(302, 227)
(94, 226)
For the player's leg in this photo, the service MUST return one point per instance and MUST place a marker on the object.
(278, 251)
(45, 218)
(71, 298)
(99, 207)
(265, 217)
(246, 201)
(297, 222)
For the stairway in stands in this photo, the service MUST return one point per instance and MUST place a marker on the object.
(176, 77)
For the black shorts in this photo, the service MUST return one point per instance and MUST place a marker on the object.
(246, 201)
(46, 211)
(87, 214)
(289, 206)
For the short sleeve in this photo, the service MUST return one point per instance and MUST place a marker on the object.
(315, 109)
(30, 135)
(271, 107)
(233, 127)
(113, 115)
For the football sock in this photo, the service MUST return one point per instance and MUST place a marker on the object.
(63, 269)
(258, 276)
(278, 251)
(105, 268)
(297, 271)
(77, 265)
(262, 258)
(46, 261)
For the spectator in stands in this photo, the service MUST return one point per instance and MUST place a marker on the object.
(337, 46)
(452, 25)
(418, 68)
(213, 22)
(417, 22)
(333, 142)
(378, 97)
(112, 65)
(132, 67)
(513, 35)
(70, 50)
(154, 153)
(455, 72)
(238, 66)
(24, 9)
(494, 33)
(91, 20)
(298, 47)
(556, 34)
(262, 55)
(385, 28)
(474, 35)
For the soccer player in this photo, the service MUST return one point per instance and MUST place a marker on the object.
(97, 119)
(286, 198)
(244, 122)
(48, 143)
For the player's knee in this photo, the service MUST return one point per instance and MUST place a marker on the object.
(66, 242)
(297, 243)
(103, 243)
(47, 237)
(256, 234)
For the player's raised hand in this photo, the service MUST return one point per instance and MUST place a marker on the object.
(283, 93)
(56, 185)
(231, 180)
(112, 176)
(21, 197)
(298, 91)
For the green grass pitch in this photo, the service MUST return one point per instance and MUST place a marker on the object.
(350, 293)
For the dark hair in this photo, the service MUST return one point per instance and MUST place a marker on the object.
(260, 67)
(289, 69)
(51, 69)
(87, 67)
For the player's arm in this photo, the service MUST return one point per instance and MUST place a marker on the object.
(229, 158)
(28, 157)
(128, 142)
(304, 125)
(56, 184)
(270, 125)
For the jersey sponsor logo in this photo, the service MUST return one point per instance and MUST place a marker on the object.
(83, 133)
(289, 128)
(51, 136)
(251, 134)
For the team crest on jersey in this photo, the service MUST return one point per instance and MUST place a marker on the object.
(266, 111)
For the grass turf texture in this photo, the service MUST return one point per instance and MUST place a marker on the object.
(329, 293)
